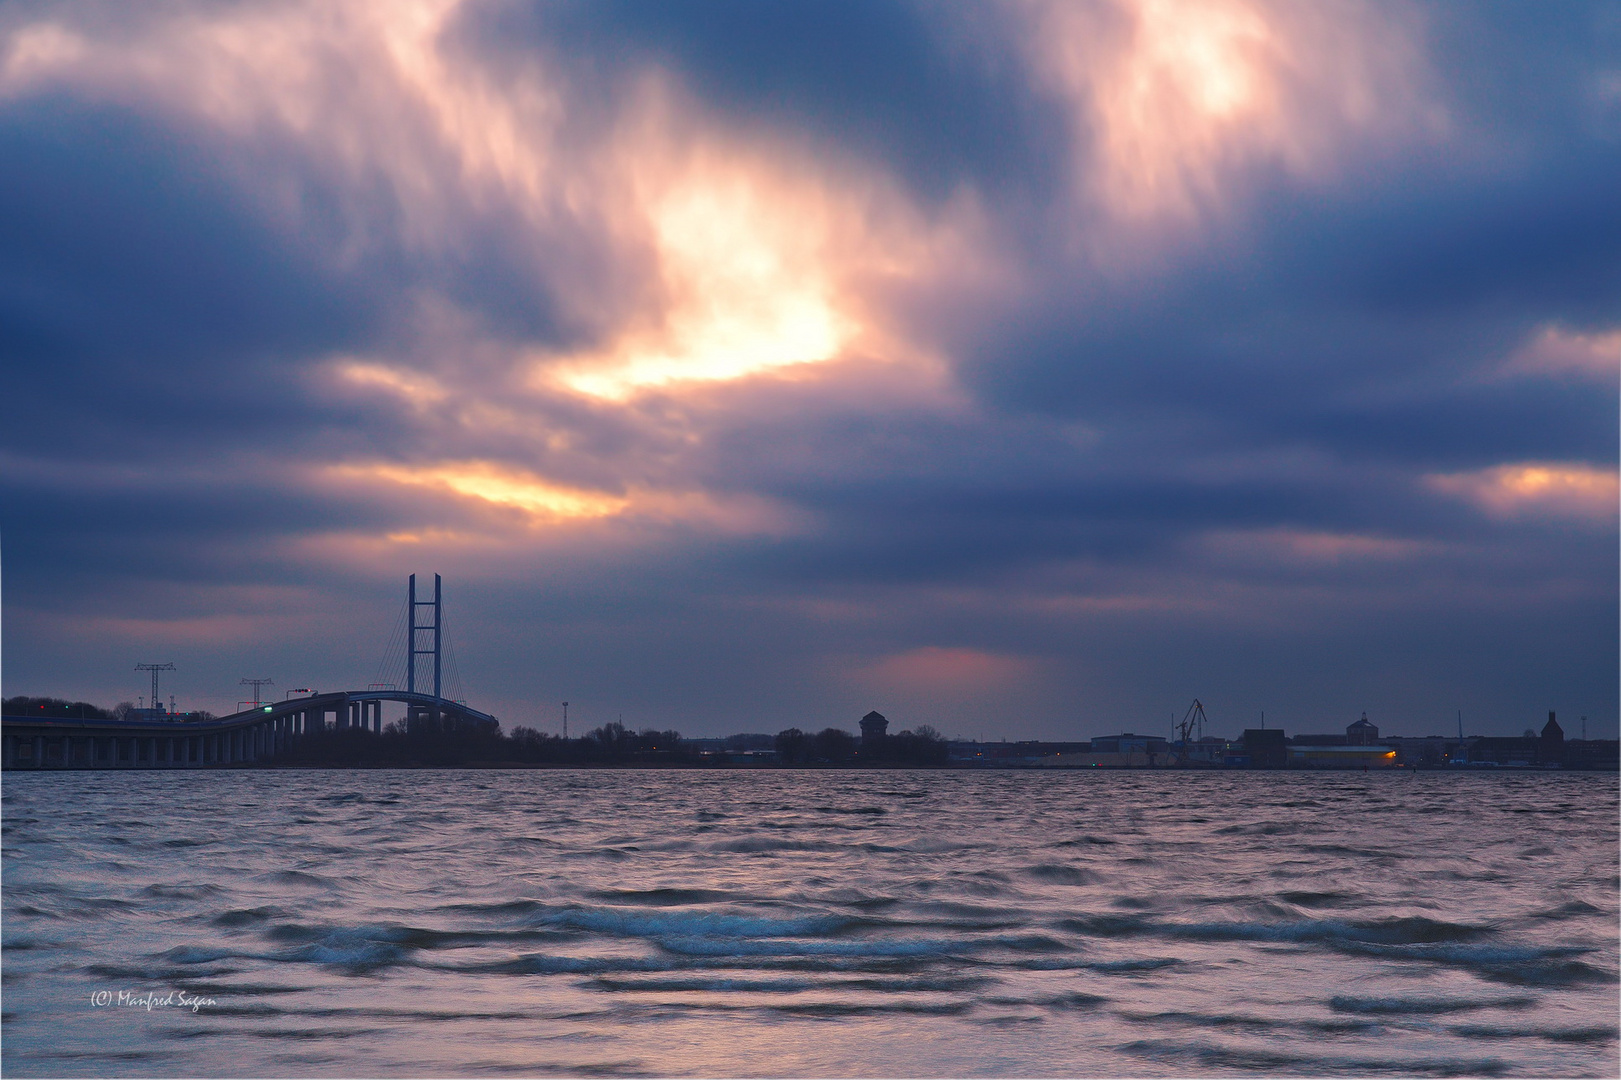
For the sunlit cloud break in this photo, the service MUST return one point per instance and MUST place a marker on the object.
(1539, 489)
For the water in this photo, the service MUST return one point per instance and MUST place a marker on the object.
(810, 923)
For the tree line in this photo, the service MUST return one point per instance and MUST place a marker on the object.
(61, 709)
(428, 743)
(834, 746)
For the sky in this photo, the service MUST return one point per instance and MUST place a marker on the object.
(1027, 370)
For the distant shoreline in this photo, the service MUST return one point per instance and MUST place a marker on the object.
(717, 767)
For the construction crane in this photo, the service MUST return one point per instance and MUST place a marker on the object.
(1193, 721)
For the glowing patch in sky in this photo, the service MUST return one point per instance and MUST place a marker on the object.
(419, 390)
(1309, 546)
(1557, 350)
(547, 503)
(744, 268)
(1531, 488)
(1170, 93)
(39, 49)
(496, 485)
(933, 667)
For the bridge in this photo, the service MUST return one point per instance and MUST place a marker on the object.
(249, 737)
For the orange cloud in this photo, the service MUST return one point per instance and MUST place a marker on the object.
(196, 630)
(1168, 95)
(935, 668)
(544, 503)
(416, 389)
(748, 281)
(765, 259)
(1555, 350)
(1305, 546)
(1537, 489)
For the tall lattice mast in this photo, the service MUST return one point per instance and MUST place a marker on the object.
(414, 606)
(154, 669)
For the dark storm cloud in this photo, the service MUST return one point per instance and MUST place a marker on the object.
(1545, 238)
(1366, 328)
(131, 267)
(1527, 70)
(939, 96)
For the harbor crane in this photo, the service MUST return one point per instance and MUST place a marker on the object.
(1191, 728)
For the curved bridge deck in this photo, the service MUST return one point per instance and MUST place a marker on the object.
(241, 739)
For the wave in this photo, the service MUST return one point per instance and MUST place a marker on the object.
(300, 878)
(168, 974)
(662, 897)
(1062, 874)
(759, 845)
(1074, 999)
(896, 947)
(705, 985)
(367, 947)
(839, 1009)
(1215, 1020)
(1122, 967)
(360, 949)
(1423, 1006)
(501, 907)
(1108, 924)
(1261, 828)
(1574, 909)
(247, 916)
(1521, 965)
(23, 944)
(192, 954)
(1411, 938)
(548, 964)
(1551, 1034)
(942, 984)
(1307, 898)
(651, 924)
(182, 892)
(1247, 1059)
(1409, 930)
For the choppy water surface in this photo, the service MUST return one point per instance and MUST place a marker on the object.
(810, 923)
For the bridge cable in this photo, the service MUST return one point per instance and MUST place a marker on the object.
(391, 670)
(453, 683)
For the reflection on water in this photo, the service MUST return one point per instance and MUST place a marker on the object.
(810, 923)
